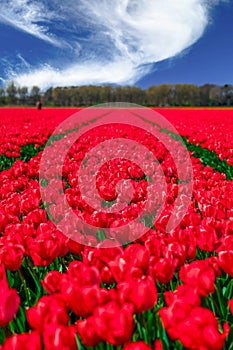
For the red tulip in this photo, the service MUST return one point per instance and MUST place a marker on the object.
(26, 341)
(59, 337)
(138, 345)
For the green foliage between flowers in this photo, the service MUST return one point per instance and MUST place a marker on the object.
(207, 157)
(148, 326)
(26, 153)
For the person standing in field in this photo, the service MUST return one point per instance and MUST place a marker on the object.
(39, 105)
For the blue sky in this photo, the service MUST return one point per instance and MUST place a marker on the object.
(209, 60)
(141, 42)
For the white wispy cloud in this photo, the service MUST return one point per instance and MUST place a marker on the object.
(28, 16)
(118, 72)
(107, 41)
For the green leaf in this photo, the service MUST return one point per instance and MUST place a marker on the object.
(2, 336)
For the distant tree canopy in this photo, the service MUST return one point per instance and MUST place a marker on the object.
(158, 95)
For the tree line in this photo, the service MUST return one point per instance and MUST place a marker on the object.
(160, 95)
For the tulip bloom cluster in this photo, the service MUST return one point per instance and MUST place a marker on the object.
(159, 291)
(212, 129)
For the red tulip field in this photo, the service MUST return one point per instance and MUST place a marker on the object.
(158, 290)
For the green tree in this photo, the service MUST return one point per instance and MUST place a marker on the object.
(48, 97)
(57, 96)
(152, 96)
(23, 95)
(215, 95)
(2, 97)
(204, 91)
(34, 95)
(227, 95)
(11, 93)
